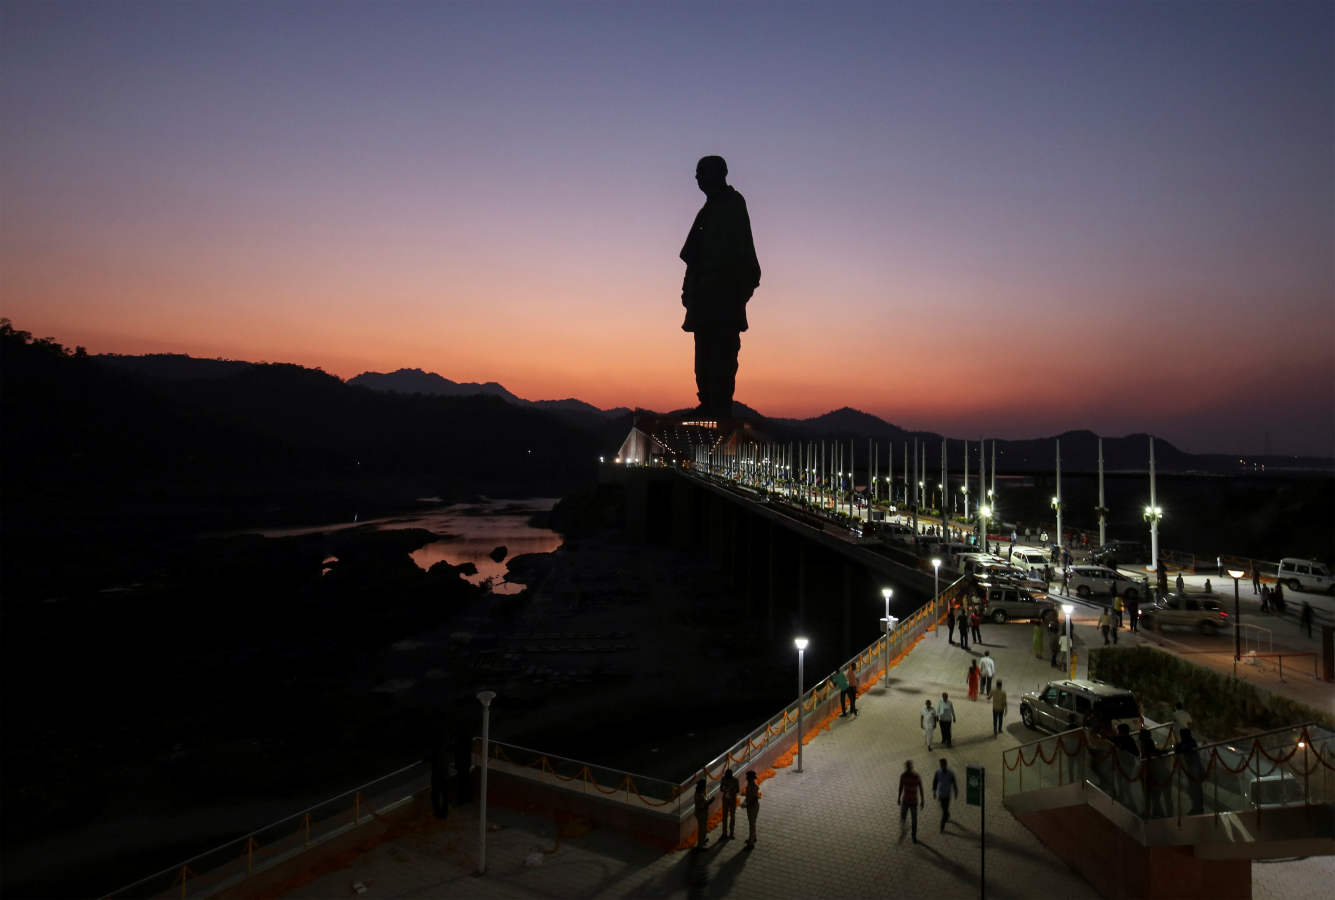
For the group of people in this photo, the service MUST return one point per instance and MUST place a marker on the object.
(969, 619)
(1115, 762)
(942, 714)
(728, 791)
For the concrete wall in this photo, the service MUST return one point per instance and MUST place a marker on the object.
(1118, 866)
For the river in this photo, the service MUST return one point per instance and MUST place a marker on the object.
(469, 532)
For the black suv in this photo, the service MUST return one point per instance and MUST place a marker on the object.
(1118, 553)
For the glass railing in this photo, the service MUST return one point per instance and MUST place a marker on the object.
(1286, 767)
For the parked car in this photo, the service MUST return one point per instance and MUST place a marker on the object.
(1185, 611)
(1119, 553)
(1305, 575)
(1076, 702)
(1089, 580)
(1006, 602)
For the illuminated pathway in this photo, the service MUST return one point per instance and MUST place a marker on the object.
(831, 831)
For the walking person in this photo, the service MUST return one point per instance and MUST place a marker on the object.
(964, 629)
(751, 802)
(911, 799)
(1256, 581)
(975, 621)
(1117, 606)
(998, 709)
(945, 717)
(943, 788)
(1105, 621)
(1277, 598)
(1178, 583)
(728, 788)
(987, 667)
(701, 815)
(1133, 613)
(928, 719)
(1054, 645)
(1064, 650)
(971, 679)
(1265, 599)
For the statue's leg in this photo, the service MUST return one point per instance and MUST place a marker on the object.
(702, 370)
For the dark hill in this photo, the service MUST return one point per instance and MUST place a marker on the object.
(101, 463)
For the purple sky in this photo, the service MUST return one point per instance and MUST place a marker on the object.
(1011, 219)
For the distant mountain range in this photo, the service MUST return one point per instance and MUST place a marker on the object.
(1079, 449)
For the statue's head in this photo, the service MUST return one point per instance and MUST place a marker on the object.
(711, 174)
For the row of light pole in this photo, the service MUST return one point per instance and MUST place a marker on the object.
(801, 644)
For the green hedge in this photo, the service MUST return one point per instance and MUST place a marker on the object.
(1220, 705)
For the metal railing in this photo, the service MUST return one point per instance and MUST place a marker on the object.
(1285, 767)
(817, 702)
(233, 862)
(589, 778)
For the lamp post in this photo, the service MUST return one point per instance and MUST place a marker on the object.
(1152, 515)
(801, 645)
(1069, 608)
(936, 582)
(1235, 574)
(886, 593)
(485, 697)
(984, 513)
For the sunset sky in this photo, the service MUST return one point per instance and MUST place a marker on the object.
(1000, 219)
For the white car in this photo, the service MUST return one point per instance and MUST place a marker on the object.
(1030, 558)
(1305, 575)
(1089, 580)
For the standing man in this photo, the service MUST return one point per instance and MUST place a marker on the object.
(950, 624)
(841, 685)
(911, 799)
(721, 274)
(728, 789)
(1256, 580)
(945, 715)
(987, 667)
(943, 787)
(851, 690)
(998, 709)
(1133, 612)
(752, 804)
(701, 815)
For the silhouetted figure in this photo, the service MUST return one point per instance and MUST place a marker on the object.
(721, 274)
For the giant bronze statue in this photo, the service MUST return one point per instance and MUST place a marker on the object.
(721, 274)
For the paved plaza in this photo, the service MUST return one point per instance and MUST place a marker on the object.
(829, 831)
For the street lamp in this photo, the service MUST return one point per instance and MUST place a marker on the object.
(801, 645)
(1069, 608)
(1235, 574)
(1152, 515)
(984, 513)
(485, 697)
(886, 592)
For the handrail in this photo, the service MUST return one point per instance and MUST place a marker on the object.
(299, 819)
